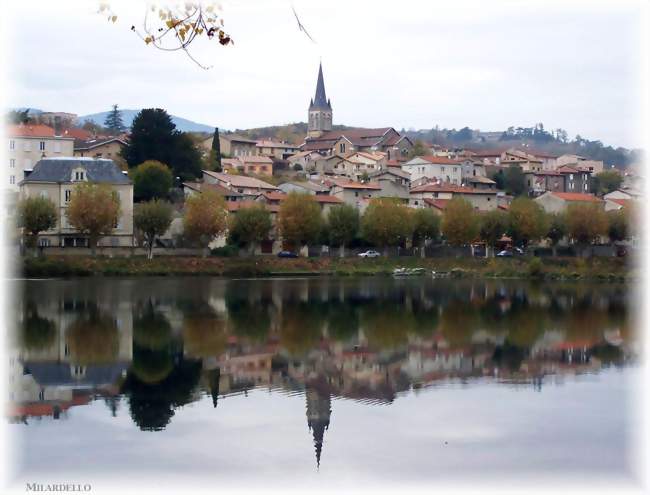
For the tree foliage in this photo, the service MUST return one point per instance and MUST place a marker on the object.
(299, 219)
(419, 149)
(36, 214)
(426, 225)
(460, 224)
(154, 137)
(205, 217)
(586, 222)
(113, 122)
(527, 221)
(151, 180)
(152, 219)
(608, 181)
(386, 222)
(515, 181)
(492, 225)
(343, 224)
(94, 210)
(557, 227)
(618, 225)
(250, 226)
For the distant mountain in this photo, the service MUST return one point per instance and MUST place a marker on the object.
(128, 116)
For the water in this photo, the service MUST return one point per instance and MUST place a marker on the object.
(320, 380)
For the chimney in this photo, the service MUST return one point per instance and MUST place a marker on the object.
(57, 125)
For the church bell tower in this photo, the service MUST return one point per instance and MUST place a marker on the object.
(320, 109)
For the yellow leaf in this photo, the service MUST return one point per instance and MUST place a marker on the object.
(114, 18)
(147, 40)
(170, 24)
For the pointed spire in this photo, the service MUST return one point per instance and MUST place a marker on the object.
(320, 100)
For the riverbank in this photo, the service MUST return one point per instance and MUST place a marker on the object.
(606, 269)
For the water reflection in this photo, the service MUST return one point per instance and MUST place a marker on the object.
(155, 345)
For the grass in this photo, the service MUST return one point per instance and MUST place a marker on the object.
(609, 269)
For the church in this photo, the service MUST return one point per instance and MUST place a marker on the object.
(324, 140)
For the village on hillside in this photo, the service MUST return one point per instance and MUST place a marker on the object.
(387, 189)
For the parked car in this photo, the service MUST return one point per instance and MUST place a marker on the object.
(504, 254)
(369, 254)
(287, 254)
(518, 250)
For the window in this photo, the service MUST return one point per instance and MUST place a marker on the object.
(570, 176)
(12, 163)
(68, 194)
(341, 147)
(44, 242)
(57, 147)
(41, 394)
(78, 175)
(41, 146)
(12, 179)
(12, 144)
(442, 169)
(585, 186)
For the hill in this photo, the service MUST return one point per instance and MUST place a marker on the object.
(182, 124)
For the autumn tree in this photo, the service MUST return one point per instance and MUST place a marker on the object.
(299, 219)
(557, 229)
(151, 180)
(152, 219)
(586, 222)
(419, 149)
(205, 218)
(607, 181)
(426, 226)
(459, 222)
(386, 222)
(250, 226)
(113, 122)
(35, 215)
(343, 226)
(94, 210)
(527, 221)
(492, 226)
(618, 225)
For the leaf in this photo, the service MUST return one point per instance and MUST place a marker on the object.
(114, 18)
(148, 40)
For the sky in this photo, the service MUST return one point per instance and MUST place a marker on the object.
(574, 65)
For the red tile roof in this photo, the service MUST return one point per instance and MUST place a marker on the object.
(440, 204)
(22, 130)
(348, 184)
(435, 187)
(569, 196)
(240, 205)
(440, 160)
(623, 202)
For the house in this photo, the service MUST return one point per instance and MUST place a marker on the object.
(618, 204)
(384, 139)
(304, 159)
(480, 182)
(394, 183)
(257, 165)
(191, 188)
(249, 187)
(30, 143)
(352, 192)
(234, 146)
(307, 187)
(278, 150)
(526, 161)
(325, 202)
(539, 182)
(328, 165)
(577, 161)
(575, 179)
(556, 202)
(56, 178)
(627, 193)
(360, 163)
(436, 167)
(99, 147)
(480, 199)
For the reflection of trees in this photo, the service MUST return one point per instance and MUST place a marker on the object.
(509, 356)
(458, 322)
(151, 329)
(425, 318)
(38, 333)
(151, 366)
(251, 320)
(342, 321)
(300, 327)
(386, 326)
(204, 335)
(93, 338)
(152, 405)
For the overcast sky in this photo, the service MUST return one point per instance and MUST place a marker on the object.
(487, 65)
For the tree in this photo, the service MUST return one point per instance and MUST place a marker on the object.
(205, 217)
(586, 222)
(426, 225)
(386, 222)
(113, 122)
(94, 210)
(250, 226)
(515, 181)
(526, 221)
(500, 179)
(152, 219)
(459, 222)
(299, 219)
(19, 117)
(151, 180)
(343, 226)
(36, 214)
(419, 149)
(618, 225)
(556, 229)
(493, 224)
(608, 181)
(154, 137)
(215, 153)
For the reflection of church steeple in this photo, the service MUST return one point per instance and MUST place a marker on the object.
(213, 381)
(318, 418)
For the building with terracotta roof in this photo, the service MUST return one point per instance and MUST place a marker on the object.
(352, 192)
(581, 162)
(276, 149)
(576, 179)
(480, 199)
(437, 167)
(618, 204)
(28, 144)
(555, 202)
(248, 186)
(109, 147)
(257, 165)
(191, 188)
(233, 145)
(539, 182)
(307, 187)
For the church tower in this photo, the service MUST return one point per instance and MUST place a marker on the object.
(320, 109)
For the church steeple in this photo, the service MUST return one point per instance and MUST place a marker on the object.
(320, 109)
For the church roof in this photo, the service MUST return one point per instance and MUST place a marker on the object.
(320, 100)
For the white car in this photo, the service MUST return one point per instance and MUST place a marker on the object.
(369, 254)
